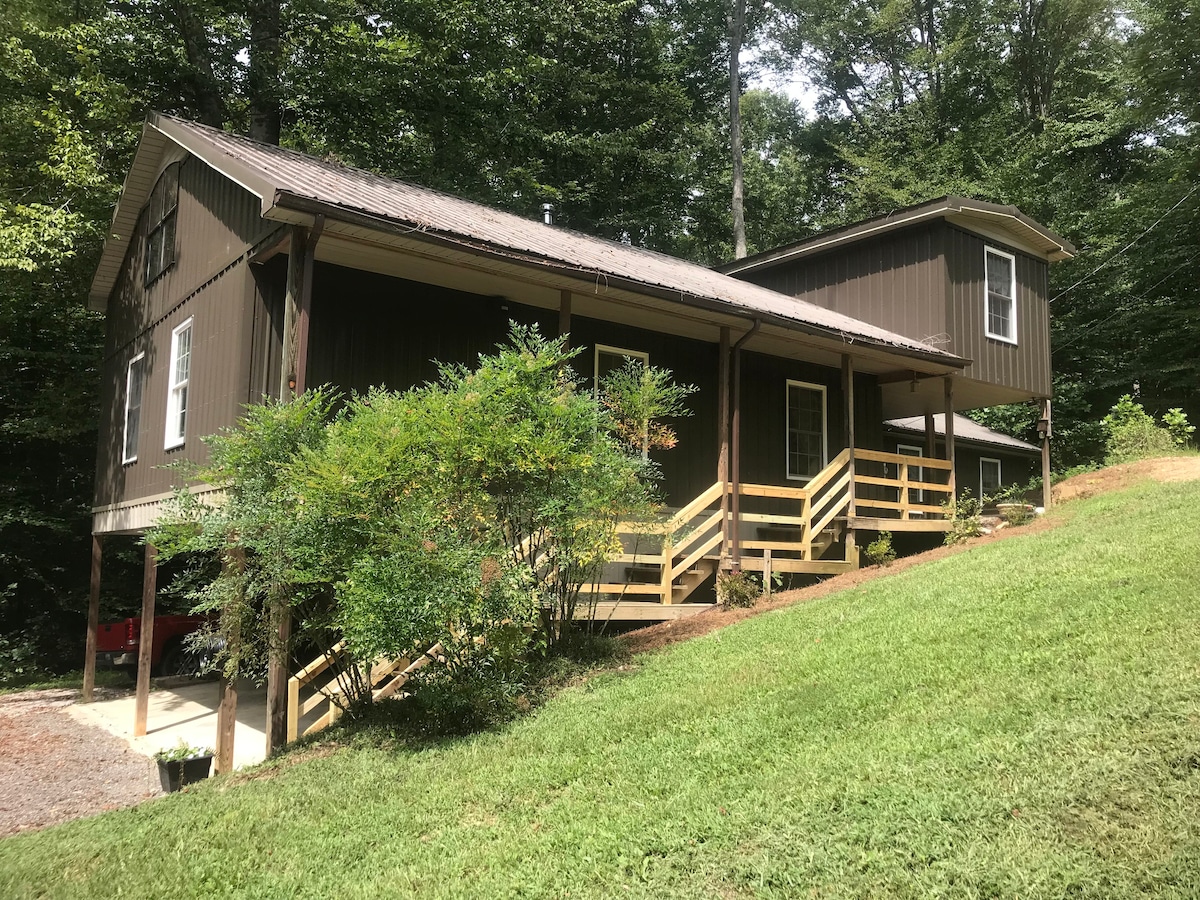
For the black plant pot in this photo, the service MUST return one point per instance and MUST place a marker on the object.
(176, 773)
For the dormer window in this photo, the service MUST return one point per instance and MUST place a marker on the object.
(160, 223)
(1000, 295)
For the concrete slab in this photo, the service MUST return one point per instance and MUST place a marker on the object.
(187, 713)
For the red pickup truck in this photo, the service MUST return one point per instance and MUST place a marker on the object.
(117, 645)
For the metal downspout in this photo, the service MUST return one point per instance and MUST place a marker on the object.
(735, 551)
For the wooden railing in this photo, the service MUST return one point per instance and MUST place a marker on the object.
(386, 679)
(907, 492)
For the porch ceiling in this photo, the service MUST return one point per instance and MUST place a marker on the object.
(900, 399)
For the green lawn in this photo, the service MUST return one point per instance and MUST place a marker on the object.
(1021, 719)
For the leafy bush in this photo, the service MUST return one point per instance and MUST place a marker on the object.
(461, 512)
(880, 551)
(1016, 514)
(1132, 433)
(738, 589)
(964, 517)
(1175, 420)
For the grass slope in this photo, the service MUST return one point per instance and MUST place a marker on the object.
(1019, 720)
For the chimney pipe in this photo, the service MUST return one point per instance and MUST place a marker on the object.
(548, 213)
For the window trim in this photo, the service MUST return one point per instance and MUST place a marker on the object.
(917, 496)
(171, 439)
(987, 295)
(787, 428)
(125, 457)
(999, 473)
(643, 355)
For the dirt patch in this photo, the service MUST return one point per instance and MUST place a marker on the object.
(54, 768)
(1114, 478)
(1168, 469)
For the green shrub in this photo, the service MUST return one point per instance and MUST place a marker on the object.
(964, 517)
(1175, 420)
(1016, 514)
(1132, 433)
(880, 551)
(738, 589)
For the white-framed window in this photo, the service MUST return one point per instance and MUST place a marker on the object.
(1000, 295)
(915, 495)
(807, 444)
(177, 386)
(610, 358)
(990, 477)
(134, 376)
(160, 223)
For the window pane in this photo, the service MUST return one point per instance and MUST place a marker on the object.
(805, 431)
(999, 315)
(999, 275)
(133, 406)
(183, 395)
(183, 356)
(989, 471)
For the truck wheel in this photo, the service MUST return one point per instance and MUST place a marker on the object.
(178, 661)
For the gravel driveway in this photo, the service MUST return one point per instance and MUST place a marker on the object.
(53, 768)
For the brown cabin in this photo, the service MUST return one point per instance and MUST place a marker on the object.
(236, 270)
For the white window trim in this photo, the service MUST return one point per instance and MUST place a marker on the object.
(787, 429)
(917, 496)
(999, 473)
(614, 351)
(987, 296)
(173, 440)
(125, 429)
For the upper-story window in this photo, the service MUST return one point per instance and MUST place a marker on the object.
(806, 434)
(177, 387)
(160, 223)
(133, 406)
(1000, 295)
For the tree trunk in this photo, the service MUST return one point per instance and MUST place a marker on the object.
(210, 102)
(266, 106)
(737, 27)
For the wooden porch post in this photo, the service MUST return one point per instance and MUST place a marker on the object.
(93, 621)
(291, 313)
(564, 313)
(930, 436)
(1047, 497)
(723, 434)
(146, 644)
(949, 391)
(300, 277)
(735, 478)
(277, 680)
(228, 694)
(226, 725)
(304, 310)
(848, 431)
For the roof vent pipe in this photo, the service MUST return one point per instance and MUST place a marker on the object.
(548, 213)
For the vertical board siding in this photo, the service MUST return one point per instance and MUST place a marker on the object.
(896, 281)
(372, 330)
(216, 222)
(1024, 365)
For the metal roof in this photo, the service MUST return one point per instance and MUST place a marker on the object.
(286, 181)
(976, 215)
(964, 429)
